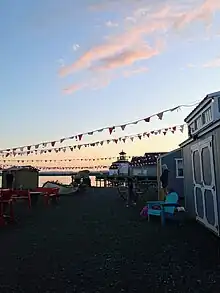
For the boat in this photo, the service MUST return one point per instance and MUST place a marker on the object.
(63, 189)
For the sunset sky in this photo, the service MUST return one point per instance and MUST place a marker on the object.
(68, 67)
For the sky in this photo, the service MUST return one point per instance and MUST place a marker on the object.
(68, 67)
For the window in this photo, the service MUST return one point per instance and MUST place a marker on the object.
(207, 116)
(191, 128)
(200, 121)
(179, 168)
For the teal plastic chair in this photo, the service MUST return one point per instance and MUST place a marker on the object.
(165, 208)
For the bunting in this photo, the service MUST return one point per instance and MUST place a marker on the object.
(63, 160)
(21, 151)
(111, 129)
(41, 168)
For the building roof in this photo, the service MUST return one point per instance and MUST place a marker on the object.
(146, 160)
(170, 152)
(116, 164)
(19, 168)
(201, 105)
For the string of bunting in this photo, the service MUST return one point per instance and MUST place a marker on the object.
(64, 160)
(111, 129)
(2, 167)
(123, 139)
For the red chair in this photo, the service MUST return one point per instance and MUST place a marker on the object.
(6, 200)
(49, 193)
(22, 195)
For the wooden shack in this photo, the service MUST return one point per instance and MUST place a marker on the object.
(26, 177)
(174, 161)
(201, 158)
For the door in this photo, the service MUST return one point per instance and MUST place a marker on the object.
(204, 188)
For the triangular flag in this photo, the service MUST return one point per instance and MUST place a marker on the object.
(79, 146)
(123, 127)
(62, 140)
(182, 128)
(53, 143)
(147, 119)
(116, 141)
(80, 136)
(174, 128)
(164, 132)
(139, 136)
(132, 139)
(101, 142)
(124, 140)
(160, 115)
(111, 129)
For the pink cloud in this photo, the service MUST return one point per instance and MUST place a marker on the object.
(204, 12)
(213, 63)
(127, 58)
(113, 46)
(73, 88)
(129, 73)
(128, 47)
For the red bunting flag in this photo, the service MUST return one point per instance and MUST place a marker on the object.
(111, 129)
(80, 137)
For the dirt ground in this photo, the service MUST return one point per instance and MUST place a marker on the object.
(93, 243)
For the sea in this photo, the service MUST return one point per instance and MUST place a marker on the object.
(61, 179)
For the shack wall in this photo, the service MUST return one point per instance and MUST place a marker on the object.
(188, 173)
(173, 181)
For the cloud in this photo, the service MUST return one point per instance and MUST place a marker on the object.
(213, 63)
(111, 24)
(132, 72)
(191, 65)
(115, 45)
(158, 19)
(147, 20)
(61, 62)
(74, 88)
(75, 47)
(126, 58)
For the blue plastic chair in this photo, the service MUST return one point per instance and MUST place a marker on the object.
(166, 208)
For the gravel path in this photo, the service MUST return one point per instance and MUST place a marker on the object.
(92, 243)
